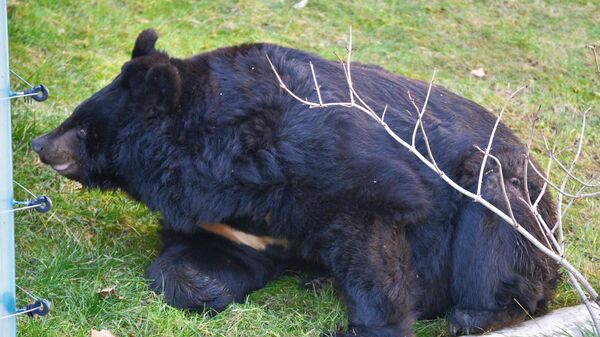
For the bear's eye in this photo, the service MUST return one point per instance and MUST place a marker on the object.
(81, 133)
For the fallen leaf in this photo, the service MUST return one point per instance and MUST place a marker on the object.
(101, 333)
(301, 4)
(105, 292)
(479, 72)
(109, 292)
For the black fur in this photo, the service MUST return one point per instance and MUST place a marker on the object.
(213, 138)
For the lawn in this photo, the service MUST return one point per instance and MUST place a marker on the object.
(93, 240)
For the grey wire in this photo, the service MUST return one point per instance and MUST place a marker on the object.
(35, 298)
(17, 96)
(21, 78)
(19, 209)
(22, 312)
(24, 188)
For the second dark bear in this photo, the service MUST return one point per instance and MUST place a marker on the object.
(213, 139)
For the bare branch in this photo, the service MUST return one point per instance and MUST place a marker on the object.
(510, 219)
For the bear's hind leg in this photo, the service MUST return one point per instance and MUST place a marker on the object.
(371, 262)
(205, 271)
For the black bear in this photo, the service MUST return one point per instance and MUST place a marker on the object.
(247, 178)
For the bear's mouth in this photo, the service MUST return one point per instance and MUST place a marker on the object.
(61, 167)
(69, 169)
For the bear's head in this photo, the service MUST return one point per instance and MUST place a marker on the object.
(86, 146)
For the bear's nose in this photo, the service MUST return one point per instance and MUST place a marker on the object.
(38, 144)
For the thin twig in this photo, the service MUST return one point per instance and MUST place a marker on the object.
(349, 76)
(566, 177)
(538, 218)
(564, 213)
(534, 119)
(312, 70)
(593, 48)
(502, 185)
(545, 185)
(383, 114)
(559, 190)
(420, 123)
(590, 183)
(492, 134)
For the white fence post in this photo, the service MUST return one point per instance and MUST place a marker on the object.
(8, 325)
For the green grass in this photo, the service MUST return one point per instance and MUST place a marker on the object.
(92, 240)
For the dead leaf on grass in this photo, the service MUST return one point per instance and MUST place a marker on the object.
(301, 4)
(479, 72)
(101, 333)
(109, 292)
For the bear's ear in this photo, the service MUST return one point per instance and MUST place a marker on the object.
(163, 88)
(144, 44)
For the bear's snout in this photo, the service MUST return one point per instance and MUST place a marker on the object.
(58, 149)
(39, 143)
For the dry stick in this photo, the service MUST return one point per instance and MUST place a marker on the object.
(593, 48)
(489, 146)
(477, 198)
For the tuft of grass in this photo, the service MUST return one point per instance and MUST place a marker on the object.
(92, 240)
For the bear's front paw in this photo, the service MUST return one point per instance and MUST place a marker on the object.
(370, 332)
(466, 322)
(185, 287)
